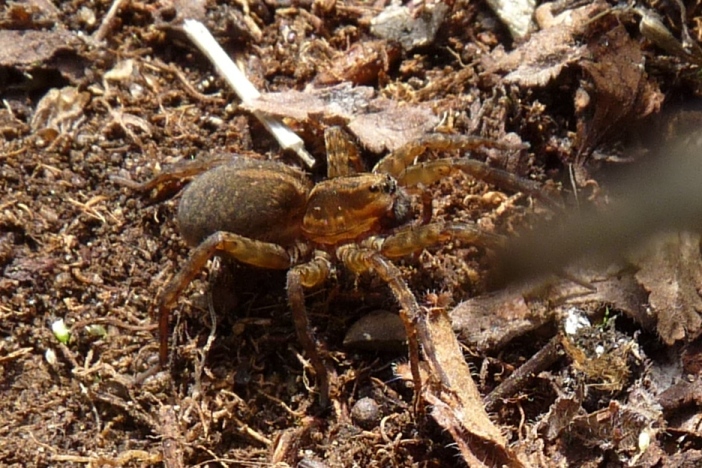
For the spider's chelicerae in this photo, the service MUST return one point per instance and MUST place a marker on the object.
(270, 215)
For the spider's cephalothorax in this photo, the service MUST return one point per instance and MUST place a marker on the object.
(349, 208)
(270, 215)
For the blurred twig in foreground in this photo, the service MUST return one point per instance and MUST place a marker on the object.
(662, 194)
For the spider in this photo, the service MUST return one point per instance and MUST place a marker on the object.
(270, 215)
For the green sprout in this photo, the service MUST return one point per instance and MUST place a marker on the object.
(61, 331)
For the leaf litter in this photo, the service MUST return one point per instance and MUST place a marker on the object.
(76, 247)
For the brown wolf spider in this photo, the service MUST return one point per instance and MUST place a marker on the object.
(270, 215)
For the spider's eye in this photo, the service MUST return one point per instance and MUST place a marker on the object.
(387, 186)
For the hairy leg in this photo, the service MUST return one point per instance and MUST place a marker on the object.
(256, 253)
(309, 275)
(417, 238)
(343, 157)
(399, 160)
(360, 260)
(171, 180)
(427, 173)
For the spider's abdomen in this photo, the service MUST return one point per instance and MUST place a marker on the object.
(261, 200)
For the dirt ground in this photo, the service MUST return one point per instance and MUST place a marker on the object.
(596, 366)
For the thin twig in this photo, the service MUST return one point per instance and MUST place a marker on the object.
(172, 438)
(107, 21)
(247, 92)
(16, 354)
(515, 382)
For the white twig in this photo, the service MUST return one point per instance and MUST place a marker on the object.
(247, 92)
(107, 21)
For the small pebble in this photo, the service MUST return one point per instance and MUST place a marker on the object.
(378, 331)
(310, 463)
(366, 413)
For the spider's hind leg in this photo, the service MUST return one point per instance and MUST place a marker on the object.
(168, 182)
(243, 249)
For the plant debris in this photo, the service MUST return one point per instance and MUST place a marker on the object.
(411, 29)
(380, 124)
(572, 340)
(670, 270)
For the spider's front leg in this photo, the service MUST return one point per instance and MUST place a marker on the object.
(427, 173)
(401, 165)
(361, 260)
(413, 239)
(243, 249)
(396, 162)
(309, 275)
(343, 157)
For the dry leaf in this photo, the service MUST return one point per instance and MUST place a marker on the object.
(620, 89)
(671, 271)
(547, 52)
(29, 49)
(561, 414)
(456, 403)
(614, 286)
(541, 59)
(393, 125)
(360, 64)
(683, 393)
(491, 321)
(336, 103)
(380, 124)
(36, 55)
